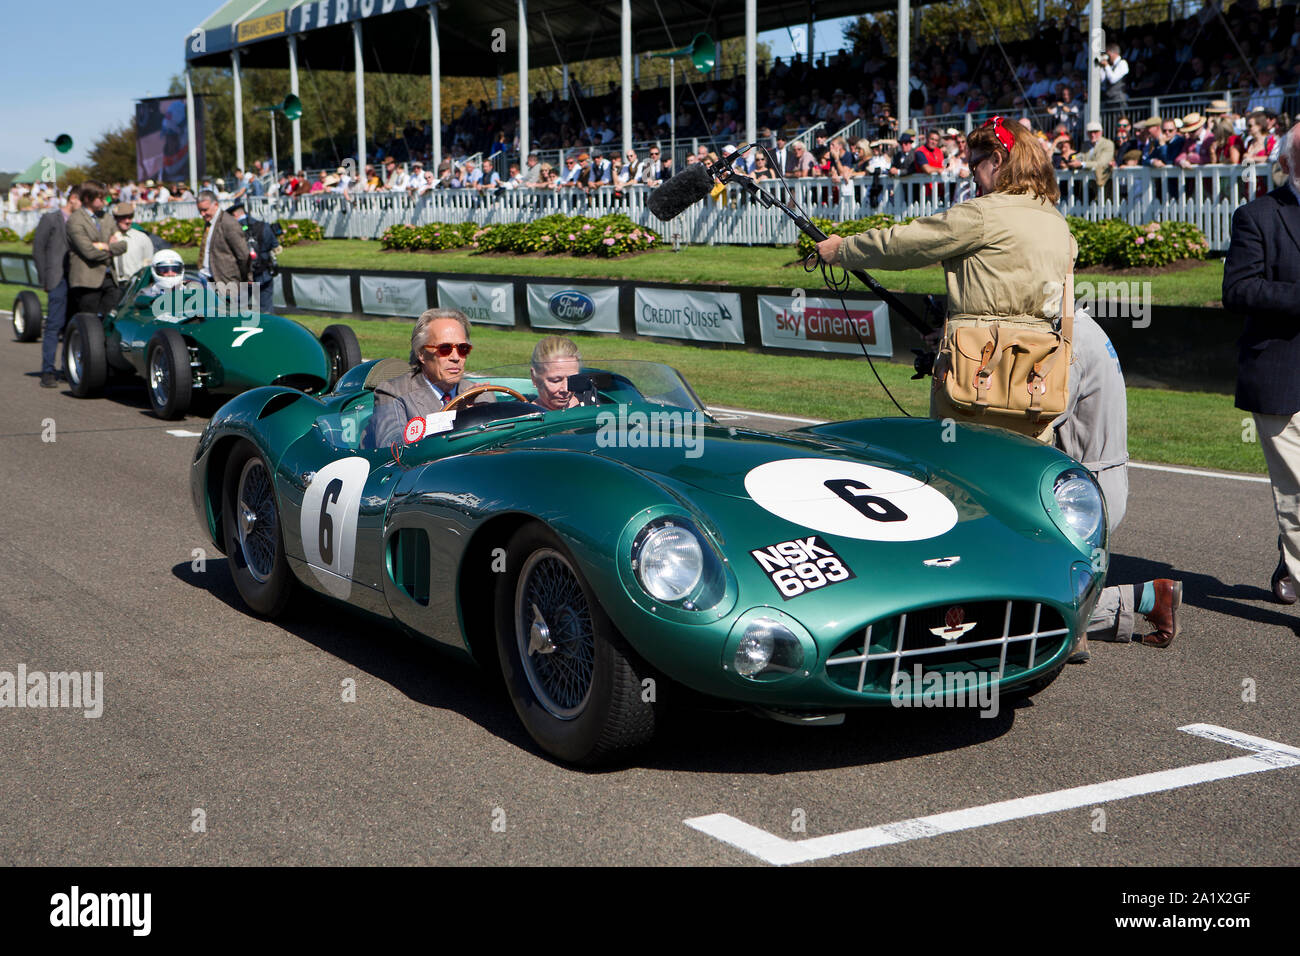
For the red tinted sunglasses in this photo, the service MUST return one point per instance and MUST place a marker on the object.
(446, 348)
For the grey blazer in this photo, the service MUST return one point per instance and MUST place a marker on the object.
(50, 250)
(400, 399)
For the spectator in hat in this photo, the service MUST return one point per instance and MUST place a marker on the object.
(902, 161)
(138, 249)
(1197, 141)
(1098, 157)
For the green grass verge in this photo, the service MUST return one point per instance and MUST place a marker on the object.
(775, 266)
(1198, 429)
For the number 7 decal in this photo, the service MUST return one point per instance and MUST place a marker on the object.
(247, 331)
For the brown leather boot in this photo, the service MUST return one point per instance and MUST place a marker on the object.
(1164, 615)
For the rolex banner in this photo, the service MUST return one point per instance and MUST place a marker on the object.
(710, 316)
(405, 298)
(485, 303)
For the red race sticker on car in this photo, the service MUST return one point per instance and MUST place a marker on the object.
(414, 430)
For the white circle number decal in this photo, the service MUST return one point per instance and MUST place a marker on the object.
(851, 500)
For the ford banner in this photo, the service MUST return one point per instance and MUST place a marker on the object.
(586, 307)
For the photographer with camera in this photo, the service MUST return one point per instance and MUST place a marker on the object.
(263, 246)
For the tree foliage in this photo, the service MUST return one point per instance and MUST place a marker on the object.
(112, 158)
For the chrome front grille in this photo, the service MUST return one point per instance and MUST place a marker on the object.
(1002, 638)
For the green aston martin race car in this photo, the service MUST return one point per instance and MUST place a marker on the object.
(189, 341)
(601, 555)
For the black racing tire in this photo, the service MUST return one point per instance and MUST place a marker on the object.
(344, 351)
(168, 376)
(84, 360)
(254, 546)
(27, 316)
(1035, 686)
(582, 702)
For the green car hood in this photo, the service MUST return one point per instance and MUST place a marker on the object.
(245, 353)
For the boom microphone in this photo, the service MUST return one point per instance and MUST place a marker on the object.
(683, 190)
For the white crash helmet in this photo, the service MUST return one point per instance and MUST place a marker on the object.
(168, 268)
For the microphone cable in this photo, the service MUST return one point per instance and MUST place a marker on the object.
(811, 263)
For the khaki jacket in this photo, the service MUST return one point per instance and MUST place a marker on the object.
(1099, 158)
(87, 265)
(1006, 257)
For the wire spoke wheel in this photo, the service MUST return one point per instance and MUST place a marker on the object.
(554, 634)
(20, 323)
(159, 377)
(256, 520)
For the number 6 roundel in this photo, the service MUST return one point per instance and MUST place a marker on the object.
(329, 523)
(851, 499)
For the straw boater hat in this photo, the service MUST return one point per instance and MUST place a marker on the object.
(1193, 122)
(1216, 107)
(331, 180)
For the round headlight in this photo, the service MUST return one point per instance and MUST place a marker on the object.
(768, 646)
(670, 562)
(1080, 504)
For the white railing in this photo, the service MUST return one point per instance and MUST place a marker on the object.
(1205, 195)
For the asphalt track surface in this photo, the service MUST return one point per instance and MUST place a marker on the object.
(208, 708)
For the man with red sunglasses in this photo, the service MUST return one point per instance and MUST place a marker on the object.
(440, 347)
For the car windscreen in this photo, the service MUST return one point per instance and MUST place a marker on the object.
(618, 380)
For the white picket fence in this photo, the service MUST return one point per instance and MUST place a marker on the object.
(1206, 196)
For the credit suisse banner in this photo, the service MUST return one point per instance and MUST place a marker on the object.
(592, 308)
(710, 316)
(490, 303)
(401, 297)
(324, 293)
(820, 325)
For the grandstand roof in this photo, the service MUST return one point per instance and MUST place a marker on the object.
(396, 35)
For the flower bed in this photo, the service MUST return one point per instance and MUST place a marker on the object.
(606, 237)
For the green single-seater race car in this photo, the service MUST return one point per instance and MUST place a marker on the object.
(603, 554)
(186, 343)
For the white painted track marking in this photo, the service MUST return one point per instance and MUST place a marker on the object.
(182, 433)
(1268, 755)
(1132, 464)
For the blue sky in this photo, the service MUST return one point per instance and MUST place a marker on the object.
(77, 86)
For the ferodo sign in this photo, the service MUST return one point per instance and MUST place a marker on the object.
(710, 316)
(590, 308)
(821, 325)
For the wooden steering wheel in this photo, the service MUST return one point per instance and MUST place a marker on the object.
(473, 393)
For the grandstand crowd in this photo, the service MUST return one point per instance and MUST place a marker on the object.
(1229, 79)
